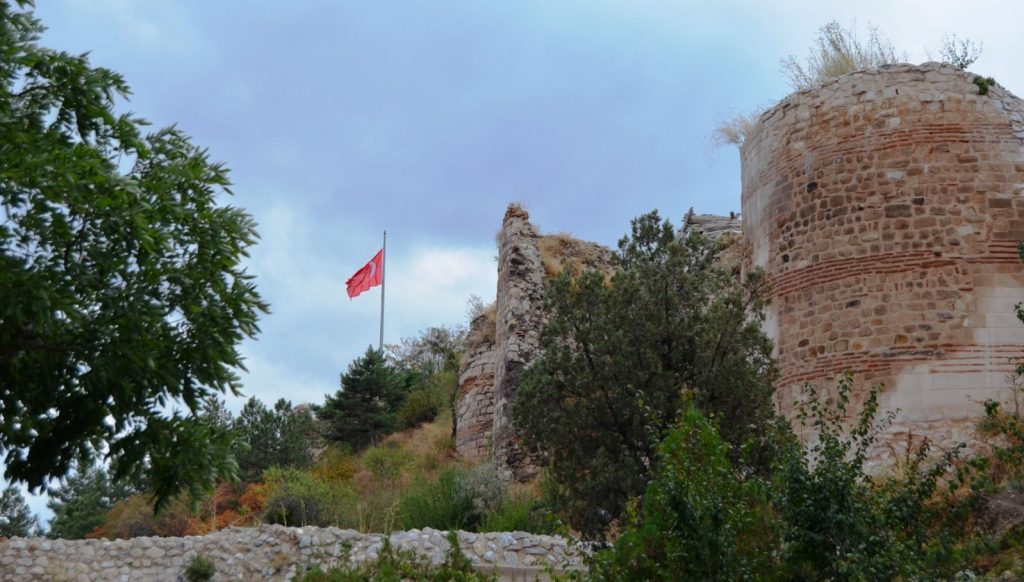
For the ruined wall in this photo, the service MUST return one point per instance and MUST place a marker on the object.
(475, 414)
(503, 347)
(273, 552)
(886, 207)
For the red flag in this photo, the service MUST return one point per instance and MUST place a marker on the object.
(369, 276)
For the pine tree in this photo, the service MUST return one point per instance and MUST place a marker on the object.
(364, 409)
(16, 519)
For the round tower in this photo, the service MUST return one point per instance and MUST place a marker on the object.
(885, 207)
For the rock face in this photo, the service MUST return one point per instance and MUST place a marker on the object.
(885, 207)
(273, 552)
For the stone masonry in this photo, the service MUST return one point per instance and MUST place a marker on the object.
(475, 414)
(274, 552)
(497, 357)
(886, 207)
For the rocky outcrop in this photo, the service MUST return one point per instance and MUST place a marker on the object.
(273, 552)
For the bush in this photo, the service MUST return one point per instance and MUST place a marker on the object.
(421, 405)
(522, 512)
(386, 461)
(199, 569)
(445, 503)
(841, 523)
(296, 498)
(700, 520)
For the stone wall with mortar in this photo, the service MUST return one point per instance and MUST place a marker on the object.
(517, 333)
(492, 369)
(272, 552)
(475, 414)
(885, 207)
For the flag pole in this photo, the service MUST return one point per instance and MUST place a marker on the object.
(383, 270)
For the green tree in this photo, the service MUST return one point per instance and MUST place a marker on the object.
(277, 437)
(619, 355)
(700, 520)
(364, 409)
(82, 502)
(844, 524)
(122, 291)
(16, 519)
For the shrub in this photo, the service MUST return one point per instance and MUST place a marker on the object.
(297, 498)
(522, 512)
(421, 405)
(700, 519)
(386, 461)
(199, 569)
(841, 523)
(445, 503)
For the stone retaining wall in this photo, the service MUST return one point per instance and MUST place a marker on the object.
(272, 552)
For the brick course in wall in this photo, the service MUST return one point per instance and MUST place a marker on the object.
(885, 207)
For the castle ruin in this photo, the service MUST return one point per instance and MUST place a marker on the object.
(885, 207)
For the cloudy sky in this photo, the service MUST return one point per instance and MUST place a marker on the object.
(341, 119)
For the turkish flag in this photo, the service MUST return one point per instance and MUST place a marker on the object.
(370, 275)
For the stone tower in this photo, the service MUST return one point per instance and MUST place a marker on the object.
(886, 207)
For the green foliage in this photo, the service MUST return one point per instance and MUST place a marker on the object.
(436, 349)
(277, 437)
(80, 504)
(700, 520)
(122, 290)
(16, 519)
(392, 566)
(199, 569)
(619, 356)
(984, 84)
(841, 524)
(386, 461)
(959, 52)
(522, 512)
(444, 503)
(297, 498)
(421, 405)
(364, 409)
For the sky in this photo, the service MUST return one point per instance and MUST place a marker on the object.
(341, 119)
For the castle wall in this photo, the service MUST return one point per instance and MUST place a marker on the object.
(885, 207)
(517, 335)
(474, 423)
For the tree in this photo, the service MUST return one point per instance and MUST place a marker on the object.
(81, 503)
(700, 519)
(277, 437)
(16, 519)
(122, 295)
(435, 349)
(364, 409)
(618, 356)
(842, 523)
